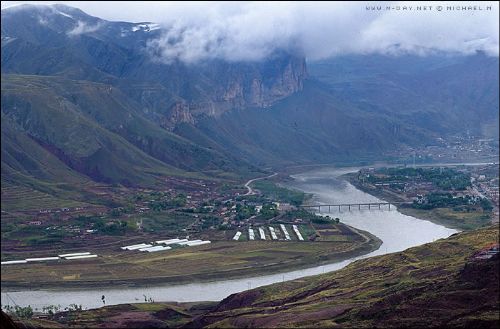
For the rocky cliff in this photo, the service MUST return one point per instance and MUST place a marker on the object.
(242, 86)
(41, 40)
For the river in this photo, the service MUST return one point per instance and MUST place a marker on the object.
(397, 231)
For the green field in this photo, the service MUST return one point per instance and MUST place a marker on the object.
(271, 190)
(450, 218)
(27, 199)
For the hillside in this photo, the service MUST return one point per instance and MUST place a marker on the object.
(61, 113)
(440, 92)
(434, 285)
(65, 41)
(312, 126)
(97, 102)
(62, 136)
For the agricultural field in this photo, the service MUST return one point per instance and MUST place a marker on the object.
(450, 217)
(183, 208)
(424, 280)
(223, 257)
(20, 197)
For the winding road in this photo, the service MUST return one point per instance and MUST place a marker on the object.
(247, 185)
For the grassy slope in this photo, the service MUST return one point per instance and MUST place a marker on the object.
(58, 135)
(32, 177)
(85, 119)
(144, 315)
(69, 132)
(450, 218)
(436, 284)
(442, 94)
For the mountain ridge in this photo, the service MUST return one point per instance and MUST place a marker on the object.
(69, 77)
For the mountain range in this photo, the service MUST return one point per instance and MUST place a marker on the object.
(88, 100)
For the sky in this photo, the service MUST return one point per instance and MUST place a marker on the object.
(254, 30)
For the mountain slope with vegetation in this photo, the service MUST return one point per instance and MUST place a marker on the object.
(312, 126)
(445, 93)
(434, 285)
(100, 102)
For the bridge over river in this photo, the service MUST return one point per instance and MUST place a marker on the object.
(366, 205)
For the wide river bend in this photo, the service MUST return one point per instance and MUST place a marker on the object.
(397, 231)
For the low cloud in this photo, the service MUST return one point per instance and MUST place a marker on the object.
(82, 28)
(252, 30)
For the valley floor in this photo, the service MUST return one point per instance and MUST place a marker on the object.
(451, 282)
(219, 259)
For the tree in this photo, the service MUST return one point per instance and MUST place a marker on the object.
(74, 307)
(486, 204)
(116, 212)
(51, 309)
(23, 312)
(269, 210)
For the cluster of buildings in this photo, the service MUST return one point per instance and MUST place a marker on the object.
(455, 148)
(488, 186)
(163, 245)
(260, 233)
(484, 181)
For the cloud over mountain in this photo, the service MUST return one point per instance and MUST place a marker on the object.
(253, 30)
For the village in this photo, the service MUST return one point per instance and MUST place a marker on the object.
(179, 234)
(457, 148)
(462, 189)
(183, 208)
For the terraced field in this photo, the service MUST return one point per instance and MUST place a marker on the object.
(20, 198)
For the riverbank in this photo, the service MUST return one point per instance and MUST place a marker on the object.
(398, 232)
(441, 216)
(220, 259)
(375, 292)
